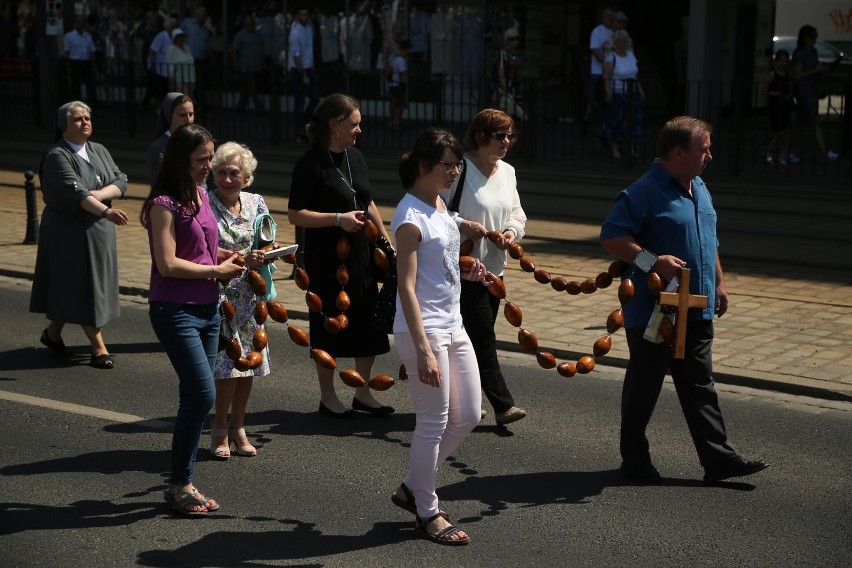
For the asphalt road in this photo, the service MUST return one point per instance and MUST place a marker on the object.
(80, 487)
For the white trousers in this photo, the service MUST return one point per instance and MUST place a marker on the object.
(445, 414)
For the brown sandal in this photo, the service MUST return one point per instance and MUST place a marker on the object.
(444, 536)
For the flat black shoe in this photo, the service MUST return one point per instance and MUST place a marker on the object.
(641, 473)
(347, 415)
(57, 346)
(737, 467)
(380, 411)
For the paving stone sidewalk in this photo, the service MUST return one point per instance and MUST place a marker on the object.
(787, 329)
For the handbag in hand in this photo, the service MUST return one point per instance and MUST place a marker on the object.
(385, 308)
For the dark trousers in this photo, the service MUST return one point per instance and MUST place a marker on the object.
(479, 312)
(695, 388)
(82, 73)
(302, 114)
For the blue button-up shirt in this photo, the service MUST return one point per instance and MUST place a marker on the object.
(302, 46)
(665, 219)
(197, 37)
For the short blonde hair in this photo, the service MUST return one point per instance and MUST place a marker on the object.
(248, 163)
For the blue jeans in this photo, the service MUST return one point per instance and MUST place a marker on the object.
(190, 335)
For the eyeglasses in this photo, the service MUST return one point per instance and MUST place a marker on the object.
(229, 173)
(503, 136)
(450, 166)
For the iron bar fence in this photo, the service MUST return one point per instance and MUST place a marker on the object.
(552, 126)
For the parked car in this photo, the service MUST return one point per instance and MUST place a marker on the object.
(839, 62)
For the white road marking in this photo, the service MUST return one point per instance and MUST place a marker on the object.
(84, 410)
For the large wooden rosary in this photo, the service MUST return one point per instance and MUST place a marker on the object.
(333, 324)
(528, 341)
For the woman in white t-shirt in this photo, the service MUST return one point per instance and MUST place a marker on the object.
(428, 330)
(623, 94)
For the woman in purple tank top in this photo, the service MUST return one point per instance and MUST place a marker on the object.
(185, 264)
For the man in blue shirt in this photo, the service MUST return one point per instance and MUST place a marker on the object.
(663, 222)
(80, 52)
(303, 79)
(198, 35)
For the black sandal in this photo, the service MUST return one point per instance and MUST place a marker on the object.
(57, 346)
(409, 504)
(442, 537)
(104, 361)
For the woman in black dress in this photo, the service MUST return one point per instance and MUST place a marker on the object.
(329, 197)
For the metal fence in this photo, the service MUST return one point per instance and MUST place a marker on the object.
(552, 129)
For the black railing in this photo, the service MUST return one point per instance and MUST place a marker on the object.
(552, 129)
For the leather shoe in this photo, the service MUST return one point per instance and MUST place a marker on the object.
(347, 415)
(380, 411)
(737, 467)
(512, 415)
(641, 472)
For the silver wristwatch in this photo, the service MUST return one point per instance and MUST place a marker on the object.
(645, 261)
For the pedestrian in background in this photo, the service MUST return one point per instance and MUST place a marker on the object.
(486, 199)
(428, 331)
(80, 53)
(76, 272)
(248, 52)
(807, 73)
(176, 110)
(303, 78)
(663, 222)
(186, 263)
(779, 108)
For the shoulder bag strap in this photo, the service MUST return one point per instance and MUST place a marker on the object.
(454, 206)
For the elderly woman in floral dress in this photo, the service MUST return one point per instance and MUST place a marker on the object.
(236, 210)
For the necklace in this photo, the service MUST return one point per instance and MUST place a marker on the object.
(349, 183)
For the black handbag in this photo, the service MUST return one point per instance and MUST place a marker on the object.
(385, 309)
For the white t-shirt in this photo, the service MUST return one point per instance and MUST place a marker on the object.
(438, 284)
(624, 68)
(600, 34)
(399, 66)
(493, 202)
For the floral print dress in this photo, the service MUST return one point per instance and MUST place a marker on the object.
(236, 233)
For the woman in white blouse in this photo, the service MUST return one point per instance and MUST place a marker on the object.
(180, 64)
(623, 94)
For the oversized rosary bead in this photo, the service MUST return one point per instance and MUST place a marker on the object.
(588, 286)
(233, 349)
(603, 280)
(655, 283)
(242, 365)
(370, 231)
(527, 340)
(585, 364)
(261, 312)
(497, 287)
(331, 325)
(344, 320)
(513, 314)
(542, 276)
(298, 336)
(314, 302)
(254, 359)
(257, 283)
(290, 258)
(527, 265)
(466, 264)
(545, 359)
(616, 268)
(301, 278)
(277, 311)
(614, 321)
(559, 283)
(260, 340)
(572, 287)
(323, 359)
(228, 311)
(466, 248)
(602, 345)
(240, 260)
(342, 302)
(352, 378)
(380, 382)
(566, 369)
(342, 275)
(516, 251)
(343, 248)
(625, 291)
(380, 259)
(667, 330)
(497, 238)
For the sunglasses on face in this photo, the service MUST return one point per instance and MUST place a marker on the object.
(450, 166)
(503, 136)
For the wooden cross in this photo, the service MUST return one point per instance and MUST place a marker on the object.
(683, 300)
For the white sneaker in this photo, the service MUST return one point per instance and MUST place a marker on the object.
(794, 159)
(770, 160)
(831, 156)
